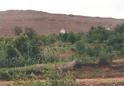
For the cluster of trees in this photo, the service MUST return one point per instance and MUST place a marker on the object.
(97, 46)
(20, 50)
(101, 45)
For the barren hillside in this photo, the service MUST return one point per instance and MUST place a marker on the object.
(45, 23)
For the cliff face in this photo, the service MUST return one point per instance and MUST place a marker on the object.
(45, 23)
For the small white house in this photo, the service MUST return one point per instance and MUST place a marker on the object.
(108, 28)
(62, 31)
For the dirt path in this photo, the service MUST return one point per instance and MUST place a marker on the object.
(101, 80)
(4, 83)
(90, 81)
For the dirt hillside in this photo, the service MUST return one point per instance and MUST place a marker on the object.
(45, 23)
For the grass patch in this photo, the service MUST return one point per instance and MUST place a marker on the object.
(27, 71)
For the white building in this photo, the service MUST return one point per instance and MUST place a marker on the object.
(108, 28)
(62, 31)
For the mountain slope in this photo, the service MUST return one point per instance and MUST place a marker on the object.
(45, 23)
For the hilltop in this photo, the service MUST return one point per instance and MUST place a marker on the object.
(45, 23)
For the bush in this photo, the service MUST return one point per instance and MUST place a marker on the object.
(69, 37)
(22, 72)
(105, 57)
(80, 47)
(98, 34)
(58, 77)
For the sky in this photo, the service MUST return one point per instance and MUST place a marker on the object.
(96, 8)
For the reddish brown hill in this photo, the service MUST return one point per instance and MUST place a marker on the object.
(45, 23)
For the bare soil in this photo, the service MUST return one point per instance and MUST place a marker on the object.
(119, 81)
(45, 23)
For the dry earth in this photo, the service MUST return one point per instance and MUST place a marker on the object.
(45, 23)
(85, 82)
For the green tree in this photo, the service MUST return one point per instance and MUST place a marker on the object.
(80, 47)
(63, 37)
(72, 38)
(98, 34)
(116, 39)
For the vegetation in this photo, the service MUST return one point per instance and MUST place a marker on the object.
(98, 46)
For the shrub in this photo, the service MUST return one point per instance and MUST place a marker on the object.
(98, 34)
(58, 77)
(80, 47)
